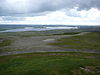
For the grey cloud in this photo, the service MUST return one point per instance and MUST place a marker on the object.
(11, 18)
(73, 13)
(88, 4)
(33, 7)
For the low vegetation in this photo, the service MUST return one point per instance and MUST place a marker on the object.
(89, 41)
(68, 33)
(5, 42)
(58, 63)
(38, 33)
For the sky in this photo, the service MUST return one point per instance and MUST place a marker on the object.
(65, 12)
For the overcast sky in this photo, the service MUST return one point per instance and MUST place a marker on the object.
(68, 12)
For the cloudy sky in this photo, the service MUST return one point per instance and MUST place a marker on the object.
(68, 12)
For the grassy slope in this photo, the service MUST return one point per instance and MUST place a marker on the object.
(88, 41)
(50, 64)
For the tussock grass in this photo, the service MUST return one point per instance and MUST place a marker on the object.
(89, 41)
(5, 42)
(56, 63)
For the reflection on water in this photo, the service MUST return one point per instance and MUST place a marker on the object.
(37, 29)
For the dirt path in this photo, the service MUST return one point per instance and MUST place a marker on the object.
(39, 44)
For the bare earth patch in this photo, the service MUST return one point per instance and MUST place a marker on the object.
(38, 44)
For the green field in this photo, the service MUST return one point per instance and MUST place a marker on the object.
(5, 42)
(51, 63)
(89, 41)
(58, 63)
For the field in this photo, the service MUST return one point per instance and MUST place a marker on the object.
(25, 41)
(44, 60)
(89, 41)
(56, 63)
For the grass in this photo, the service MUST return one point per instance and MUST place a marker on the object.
(56, 63)
(88, 41)
(5, 42)
(37, 33)
(68, 33)
(10, 37)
